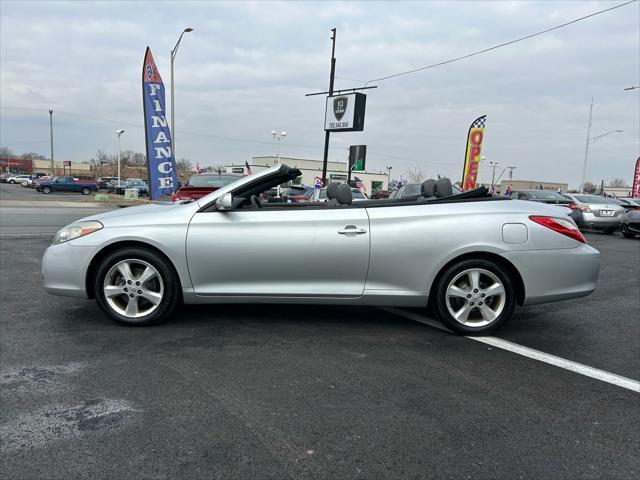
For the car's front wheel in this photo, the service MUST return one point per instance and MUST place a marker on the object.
(137, 287)
(474, 297)
(609, 230)
(46, 189)
(628, 234)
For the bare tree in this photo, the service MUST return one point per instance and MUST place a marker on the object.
(6, 152)
(32, 156)
(415, 175)
(617, 182)
(590, 187)
(184, 165)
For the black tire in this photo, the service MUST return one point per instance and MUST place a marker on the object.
(448, 275)
(12, 182)
(609, 231)
(628, 235)
(171, 297)
(85, 191)
(46, 189)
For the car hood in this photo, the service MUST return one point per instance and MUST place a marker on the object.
(152, 213)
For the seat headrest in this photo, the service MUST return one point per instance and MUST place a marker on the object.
(443, 188)
(332, 190)
(344, 194)
(428, 188)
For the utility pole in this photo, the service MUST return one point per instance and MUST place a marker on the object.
(51, 137)
(586, 148)
(511, 169)
(331, 78)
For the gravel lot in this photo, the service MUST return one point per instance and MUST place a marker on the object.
(308, 392)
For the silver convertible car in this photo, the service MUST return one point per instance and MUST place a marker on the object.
(468, 256)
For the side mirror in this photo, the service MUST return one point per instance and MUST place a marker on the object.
(225, 202)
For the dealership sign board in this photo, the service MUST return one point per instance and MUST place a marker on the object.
(357, 157)
(345, 113)
(163, 179)
(472, 157)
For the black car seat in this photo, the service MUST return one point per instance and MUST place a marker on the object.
(344, 197)
(428, 189)
(332, 194)
(443, 188)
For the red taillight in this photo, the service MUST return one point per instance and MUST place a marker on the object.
(565, 227)
(584, 208)
(572, 205)
(174, 197)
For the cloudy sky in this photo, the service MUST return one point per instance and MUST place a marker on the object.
(245, 68)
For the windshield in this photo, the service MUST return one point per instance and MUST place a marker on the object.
(135, 181)
(411, 189)
(211, 181)
(545, 195)
(592, 199)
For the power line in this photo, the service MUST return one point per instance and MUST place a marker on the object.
(500, 45)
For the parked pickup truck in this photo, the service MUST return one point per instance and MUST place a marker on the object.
(67, 184)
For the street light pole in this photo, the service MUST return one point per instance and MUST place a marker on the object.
(278, 136)
(173, 57)
(51, 138)
(118, 133)
(493, 173)
(389, 177)
(586, 148)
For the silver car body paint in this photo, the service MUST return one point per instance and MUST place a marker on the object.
(300, 255)
(595, 217)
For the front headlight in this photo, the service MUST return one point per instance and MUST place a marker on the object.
(76, 230)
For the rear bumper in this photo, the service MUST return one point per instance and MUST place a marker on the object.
(552, 275)
(589, 220)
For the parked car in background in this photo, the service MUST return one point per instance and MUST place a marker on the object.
(630, 225)
(116, 186)
(542, 196)
(320, 195)
(17, 179)
(103, 182)
(4, 176)
(202, 184)
(32, 178)
(38, 181)
(380, 194)
(407, 190)
(139, 185)
(599, 213)
(67, 184)
(297, 193)
(626, 203)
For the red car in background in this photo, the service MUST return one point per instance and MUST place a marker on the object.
(202, 184)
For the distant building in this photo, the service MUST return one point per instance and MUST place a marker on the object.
(336, 171)
(530, 185)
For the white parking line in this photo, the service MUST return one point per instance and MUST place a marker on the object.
(576, 367)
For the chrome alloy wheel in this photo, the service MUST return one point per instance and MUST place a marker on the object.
(475, 297)
(133, 288)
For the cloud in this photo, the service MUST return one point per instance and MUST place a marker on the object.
(246, 67)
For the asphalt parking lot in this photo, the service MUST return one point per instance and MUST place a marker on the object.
(308, 392)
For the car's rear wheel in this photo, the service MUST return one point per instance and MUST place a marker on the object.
(46, 189)
(609, 231)
(474, 297)
(137, 287)
(85, 191)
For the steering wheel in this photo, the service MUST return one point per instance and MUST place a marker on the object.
(255, 202)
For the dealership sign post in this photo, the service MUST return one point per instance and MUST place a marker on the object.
(472, 157)
(163, 179)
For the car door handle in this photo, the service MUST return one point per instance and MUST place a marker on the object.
(352, 230)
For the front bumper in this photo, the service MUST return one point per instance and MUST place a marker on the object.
(551, 275)
(64, 268)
